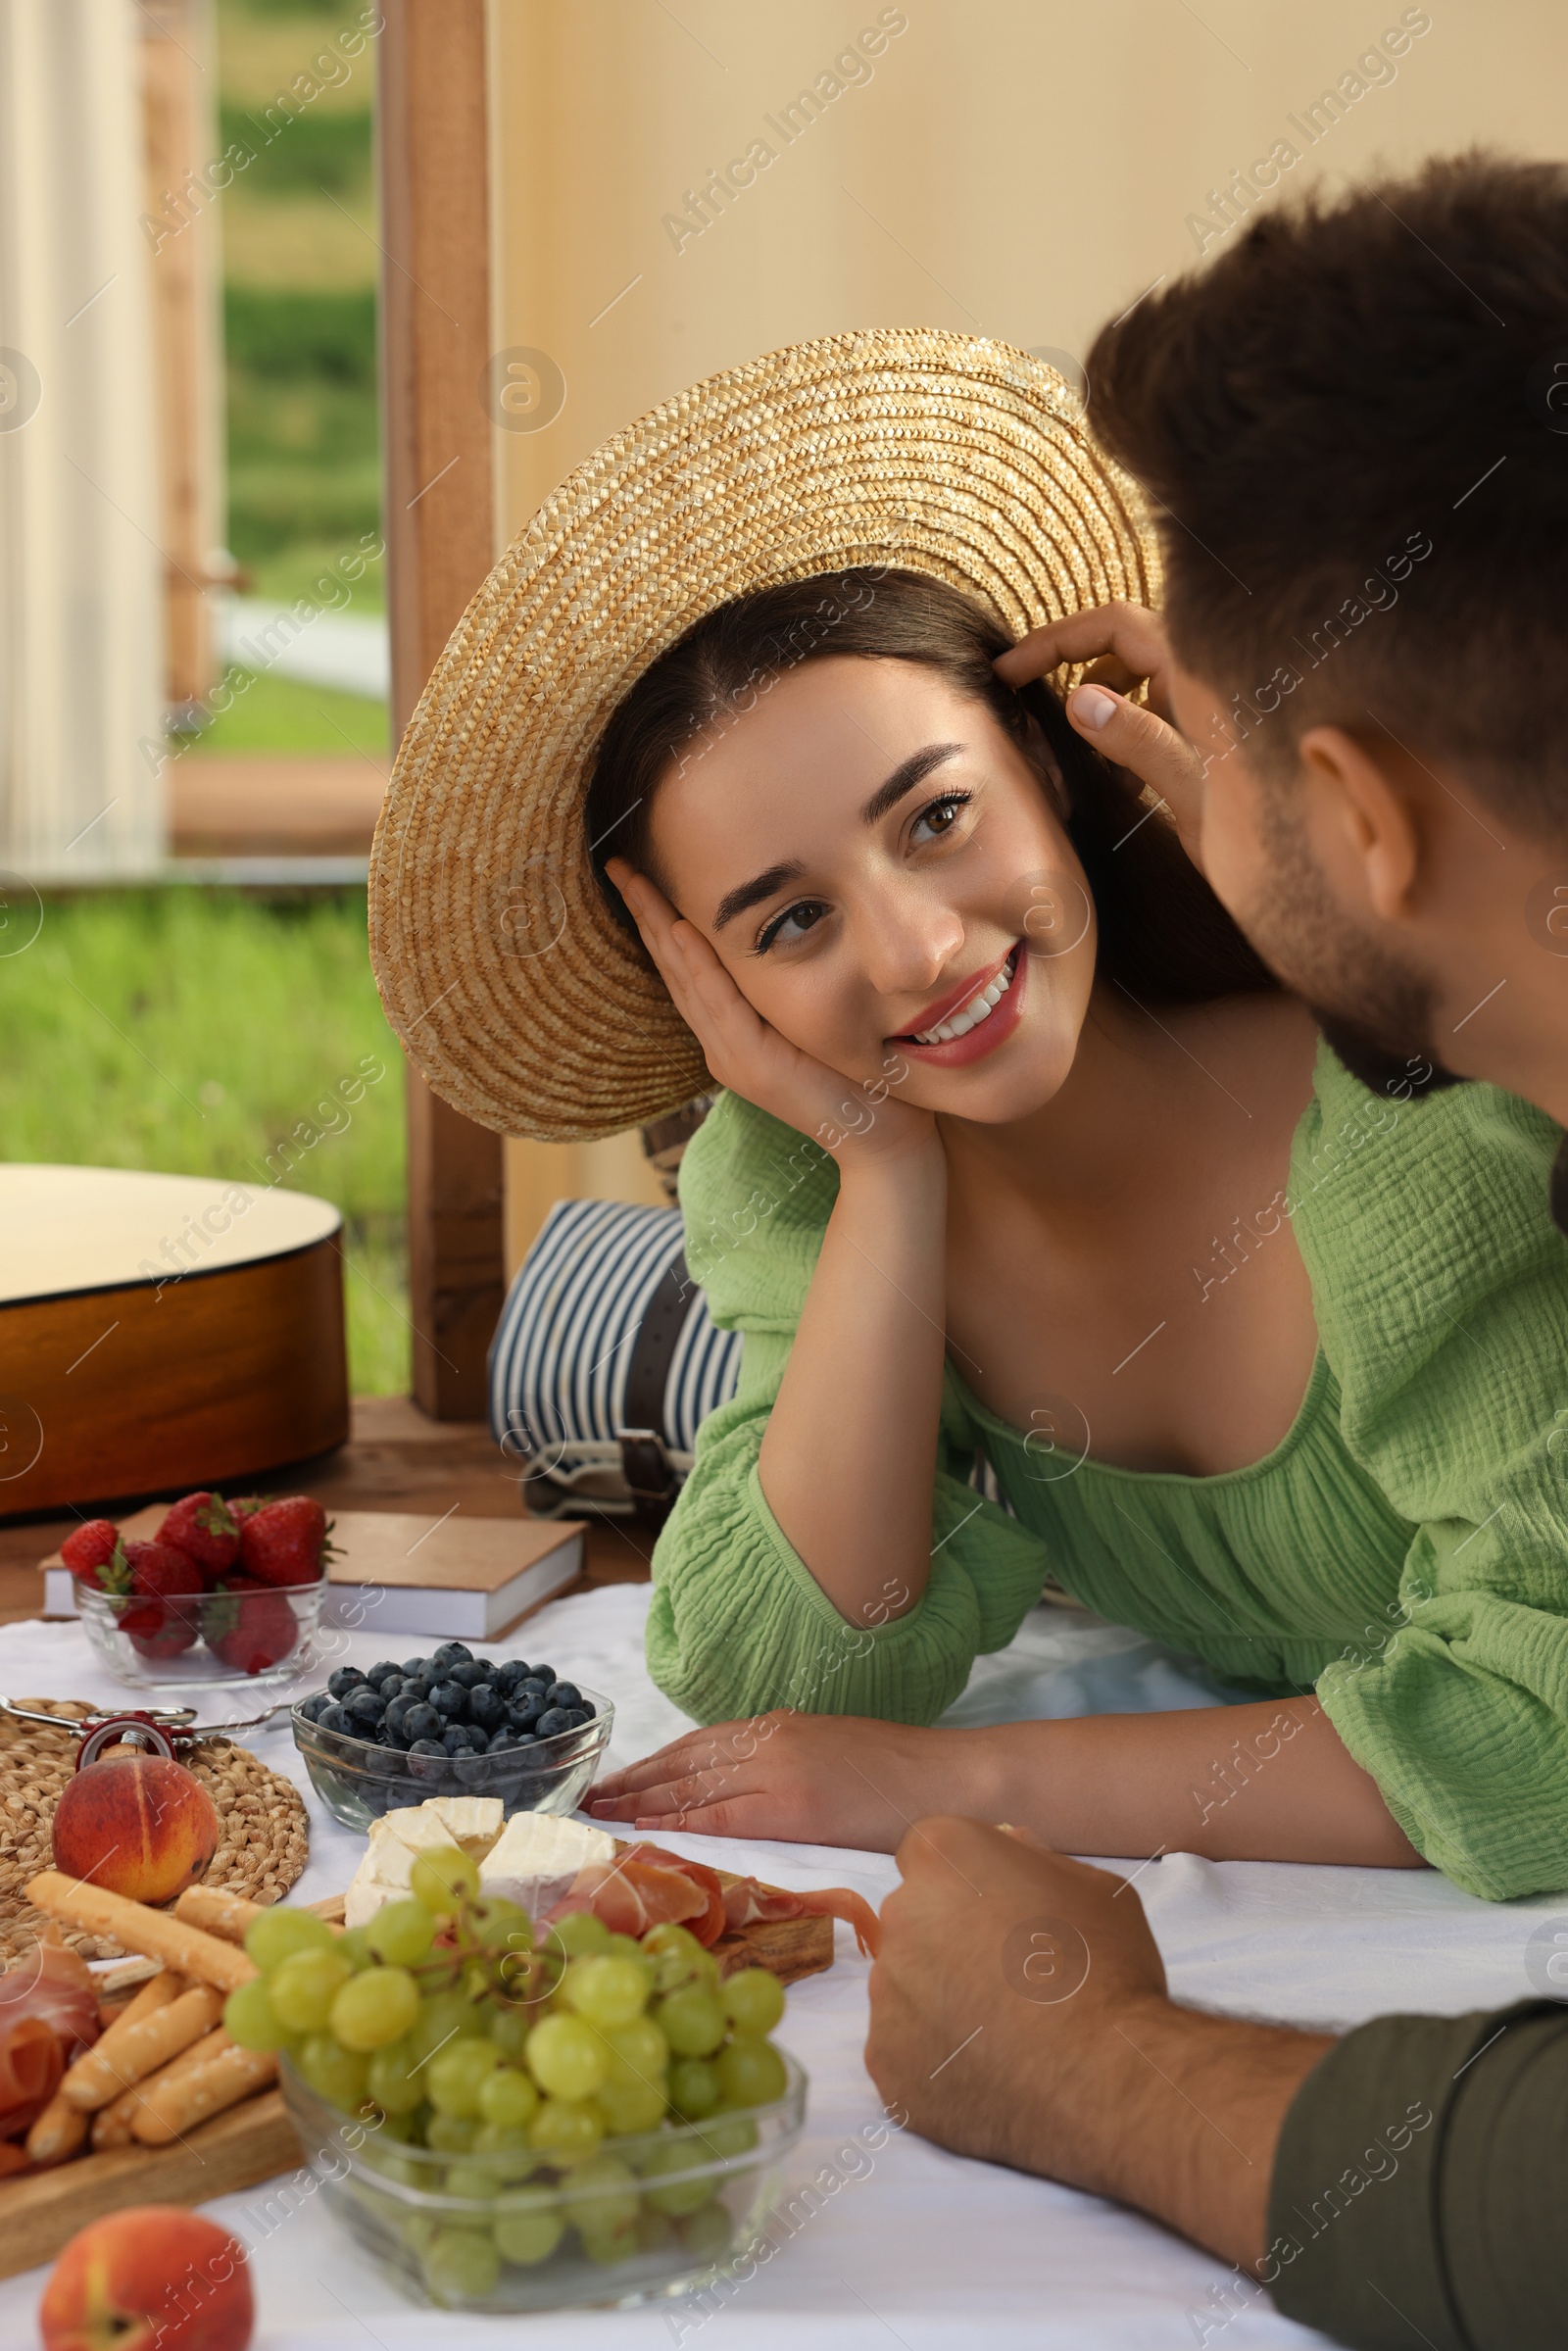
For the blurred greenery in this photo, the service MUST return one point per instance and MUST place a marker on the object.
(290, 150)
(304, 442)
(294, 331)
(283, 713)
(203, 1029)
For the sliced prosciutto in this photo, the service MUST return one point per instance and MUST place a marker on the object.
(746, 1901)
(645, 1886)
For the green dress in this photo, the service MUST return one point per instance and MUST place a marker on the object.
(1403, 1551)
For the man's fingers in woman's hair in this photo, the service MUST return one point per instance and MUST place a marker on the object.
(1129, 633)
(1138, 739)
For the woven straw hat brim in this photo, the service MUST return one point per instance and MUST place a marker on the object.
(502, 970)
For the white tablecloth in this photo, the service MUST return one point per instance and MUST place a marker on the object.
(912, 2245)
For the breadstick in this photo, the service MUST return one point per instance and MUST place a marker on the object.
(217, 1911)
(156, 1995)
(98, 1912)
(58, 2131)
(141, 2049)
(112, 2124)
(196, 2092)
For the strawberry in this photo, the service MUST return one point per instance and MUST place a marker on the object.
(160, 1579)
(285, 1542)
(248, 1625)
(94, 1555)
(201, 1527)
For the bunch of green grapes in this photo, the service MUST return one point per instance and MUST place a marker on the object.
(445, 2026)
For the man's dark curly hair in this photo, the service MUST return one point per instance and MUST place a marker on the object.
(1355, 420)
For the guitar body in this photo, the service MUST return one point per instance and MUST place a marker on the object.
(162, 1331)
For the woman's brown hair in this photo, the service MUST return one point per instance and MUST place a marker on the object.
(1162, 931)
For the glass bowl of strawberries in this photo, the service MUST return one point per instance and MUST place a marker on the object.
(219, 1591)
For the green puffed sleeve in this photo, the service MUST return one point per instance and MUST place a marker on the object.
(738, 1624)
(1441, 1293)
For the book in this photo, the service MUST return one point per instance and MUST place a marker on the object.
(459, 1579)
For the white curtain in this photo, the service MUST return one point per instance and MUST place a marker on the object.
(81, 573)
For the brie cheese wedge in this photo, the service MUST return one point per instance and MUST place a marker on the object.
(537, 1857)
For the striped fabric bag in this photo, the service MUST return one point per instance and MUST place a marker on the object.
(604, 1364)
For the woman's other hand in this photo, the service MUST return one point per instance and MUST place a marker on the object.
(1124, 645)
(745, 1053)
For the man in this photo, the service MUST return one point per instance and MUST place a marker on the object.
(1355, 426)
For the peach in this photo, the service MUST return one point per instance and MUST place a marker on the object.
(153, 2275)
(136, 1824)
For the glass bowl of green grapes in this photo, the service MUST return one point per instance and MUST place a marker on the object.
(516, 2119)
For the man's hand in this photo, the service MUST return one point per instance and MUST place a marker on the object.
(1017, 1958)
(1018, 2011)
(1124, 645)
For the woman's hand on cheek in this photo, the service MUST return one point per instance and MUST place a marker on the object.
(751, 1057)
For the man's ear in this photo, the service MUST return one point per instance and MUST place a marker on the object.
(1360, 823)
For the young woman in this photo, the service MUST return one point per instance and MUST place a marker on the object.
(1017, 1156)
(1074, 1181)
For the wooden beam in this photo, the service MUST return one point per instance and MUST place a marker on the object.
(439, 530)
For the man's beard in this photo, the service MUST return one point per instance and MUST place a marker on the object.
(1378, 1016)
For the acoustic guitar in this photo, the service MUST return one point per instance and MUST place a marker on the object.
(162, 1331)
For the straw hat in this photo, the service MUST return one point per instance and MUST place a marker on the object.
(509, 983)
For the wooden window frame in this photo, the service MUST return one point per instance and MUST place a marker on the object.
(432, 151)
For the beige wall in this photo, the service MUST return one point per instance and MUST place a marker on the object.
(1012, 167)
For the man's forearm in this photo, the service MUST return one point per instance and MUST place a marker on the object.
(1179, 2114)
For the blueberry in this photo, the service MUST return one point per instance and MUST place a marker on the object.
(333, 1718)
(449, 1653)
(524, 1710)
(563, 1693)
(451, 1701)
(413, 1666)
(365, 1709)
(346, 1680)
(468, 1672)
(393, 1735)
(388, 1686)
(316, 1705)
(423, 1722)
(578, 1715)
(551, 1724)
(503, 1738)
(459, 1739)
(378, 1672)
(416, 1686)
(487, 1707)
(472, 1771)
(507, 1675)
(544, 1674)
(428, 1763)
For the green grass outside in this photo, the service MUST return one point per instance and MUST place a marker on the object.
(202, 1029)
(283, 713)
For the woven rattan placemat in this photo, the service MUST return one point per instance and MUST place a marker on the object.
(261, 1849)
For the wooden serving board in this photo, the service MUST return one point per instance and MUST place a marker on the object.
(788, 1949)
(42, 2210)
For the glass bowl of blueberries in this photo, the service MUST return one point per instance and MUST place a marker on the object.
(450, 1725)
